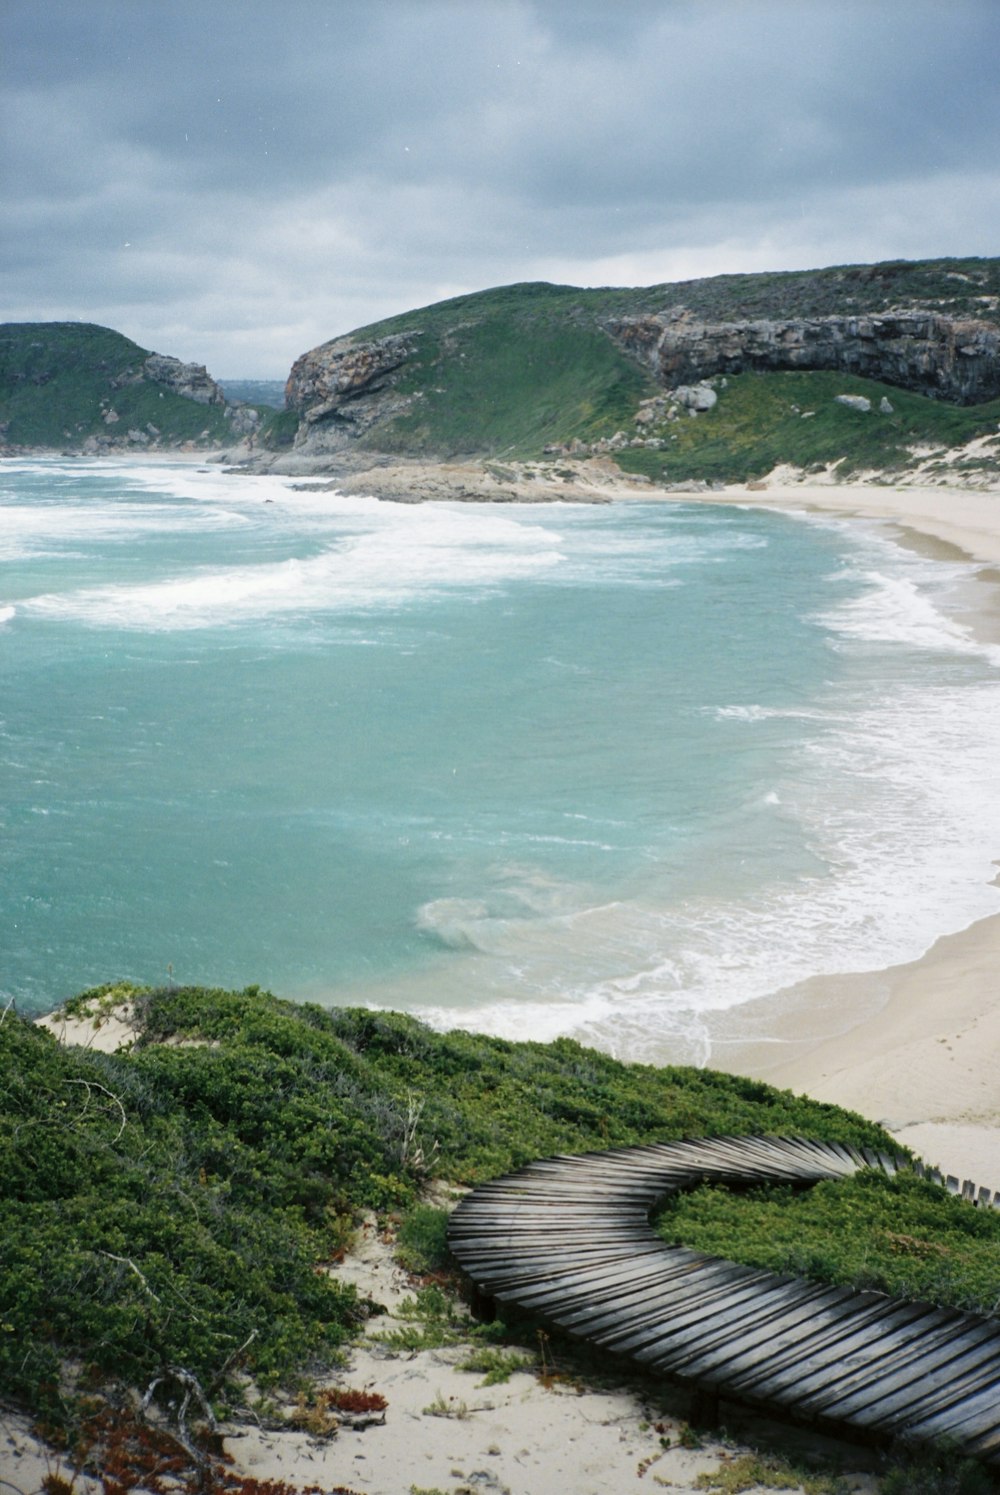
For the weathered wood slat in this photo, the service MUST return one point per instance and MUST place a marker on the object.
(569, 1238)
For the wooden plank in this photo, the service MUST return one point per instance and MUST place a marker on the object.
(980, 1413)
(569, 1237)
(774, 1321)
(698, 1312)
(854, 1345)
(906, 1377)
(571, 1288)
(836, 1332)
(956, 1382)
(703, 1284)
(692, 1349)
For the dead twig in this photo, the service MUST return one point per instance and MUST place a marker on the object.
(127, 1261)
(94, 1085)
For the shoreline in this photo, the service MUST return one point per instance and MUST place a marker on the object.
(914, 1046)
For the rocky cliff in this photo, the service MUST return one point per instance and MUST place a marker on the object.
(534, 370)
(345, 387)
(191, 381)
(943, 357)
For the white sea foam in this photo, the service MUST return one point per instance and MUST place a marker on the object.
(6, 613)
(887, 782)
(431, 550)
(67, 529)
(898, 803)
(896, 610)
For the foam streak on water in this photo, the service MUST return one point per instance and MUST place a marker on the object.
(534, 770)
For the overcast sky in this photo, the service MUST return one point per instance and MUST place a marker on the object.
(235, 181)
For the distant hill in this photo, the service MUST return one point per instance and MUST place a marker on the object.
(77, 386)
(707, 379)
(270, 392)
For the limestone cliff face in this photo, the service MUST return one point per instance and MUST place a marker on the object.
(935, 355)
(344, 387)
(192, 380)
(498, 371)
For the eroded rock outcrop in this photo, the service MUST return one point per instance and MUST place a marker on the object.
(345, 386)
(939, 356)
(192, 380)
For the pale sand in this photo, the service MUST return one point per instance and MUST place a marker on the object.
(446, 1431)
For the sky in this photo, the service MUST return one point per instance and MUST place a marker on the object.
(236, 181)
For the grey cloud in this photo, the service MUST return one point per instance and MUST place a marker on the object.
(296, 169)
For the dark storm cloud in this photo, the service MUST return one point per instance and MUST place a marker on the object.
(235, 180)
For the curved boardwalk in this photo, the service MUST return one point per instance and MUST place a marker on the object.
(569, 1239)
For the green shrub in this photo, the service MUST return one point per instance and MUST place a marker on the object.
(901, 1235)
(422, 1239)
(169, 1205)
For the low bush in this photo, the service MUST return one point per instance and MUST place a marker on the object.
(171, 1205)
(901, 1235)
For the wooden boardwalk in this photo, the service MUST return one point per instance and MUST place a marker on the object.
(569, 1238)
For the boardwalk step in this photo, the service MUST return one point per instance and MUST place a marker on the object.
(569, 1239)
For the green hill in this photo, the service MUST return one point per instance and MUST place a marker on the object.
(535, 370)
(83, 387)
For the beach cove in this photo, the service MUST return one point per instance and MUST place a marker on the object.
(914, 1046)
(813, 1030)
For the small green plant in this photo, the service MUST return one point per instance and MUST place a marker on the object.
(432, 1320)
(768, 1471)
(422, 1240)
(430, 1305)
(447, 1406)
(936, 1472)
(495, 1365)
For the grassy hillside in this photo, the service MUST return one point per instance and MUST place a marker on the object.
(765, 419)
(959, 287)
(509, 384)
(167, 1206)
(60, 380)
(511, 371)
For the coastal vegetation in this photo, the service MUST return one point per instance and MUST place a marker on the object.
(763, 420)
(74, 384)
(538, 372)
(168, 1209)
(902, 1235)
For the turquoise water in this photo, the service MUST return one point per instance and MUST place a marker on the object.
(587, 769)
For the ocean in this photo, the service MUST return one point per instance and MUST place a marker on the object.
(596, 770)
